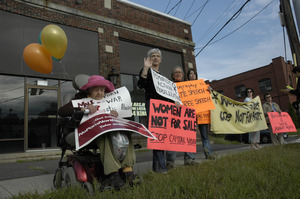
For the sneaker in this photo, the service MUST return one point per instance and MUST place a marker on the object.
(131, 178)
(211, 157)
(114, 180)
(170, 165)
(189, 162)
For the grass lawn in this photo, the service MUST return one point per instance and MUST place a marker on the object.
(271, 172)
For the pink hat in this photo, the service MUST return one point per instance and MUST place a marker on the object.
(97, 80)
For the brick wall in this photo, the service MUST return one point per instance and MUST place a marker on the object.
(121, 21)
(277, 71)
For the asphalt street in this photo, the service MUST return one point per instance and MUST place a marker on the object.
(38, 176)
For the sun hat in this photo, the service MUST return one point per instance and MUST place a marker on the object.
(97, 80)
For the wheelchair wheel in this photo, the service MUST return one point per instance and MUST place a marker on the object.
(70, 177)
(88, 187)
(57, 181)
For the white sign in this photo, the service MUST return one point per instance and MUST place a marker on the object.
(165, 87)
(118, 100)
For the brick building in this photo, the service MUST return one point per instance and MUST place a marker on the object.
(104, 36)
(266, 79)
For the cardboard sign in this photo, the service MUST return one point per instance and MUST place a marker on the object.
(281, 123)
(104, 123)
(195, 94)
(118, 100)
(139, 109)
(233, 117)
(203, 117)
(174, 128)
(165, 87)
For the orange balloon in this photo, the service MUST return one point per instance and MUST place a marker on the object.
(37, 58)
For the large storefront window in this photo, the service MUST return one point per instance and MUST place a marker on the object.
(132, 56)
(137, 97)
(11, 113)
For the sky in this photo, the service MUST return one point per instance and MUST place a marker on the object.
(251, 40)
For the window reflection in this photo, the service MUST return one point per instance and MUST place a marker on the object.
(240, 91)
(265, 85)
(11, 107)
(137, 97)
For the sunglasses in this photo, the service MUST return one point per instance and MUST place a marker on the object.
(249, 91)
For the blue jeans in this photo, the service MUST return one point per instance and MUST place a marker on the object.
(159, 162)
(205, 140)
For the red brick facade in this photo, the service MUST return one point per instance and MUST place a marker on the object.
(130, 22)
(278, 72)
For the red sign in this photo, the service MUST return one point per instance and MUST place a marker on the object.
(174, 128)
(281, 122)
(103, 123)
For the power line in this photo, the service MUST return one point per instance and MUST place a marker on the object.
(244, 23)
(215, 23)
(175, 6)
(168, 5)
(200, 11)
(177, 9)
(223, 27)
(189, 9)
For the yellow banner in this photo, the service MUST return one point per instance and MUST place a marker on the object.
(233, 117)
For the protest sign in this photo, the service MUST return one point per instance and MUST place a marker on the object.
(233, 117)
(174, 128)
(104, 123)
(139, 109)
(118, 100)
(195, 94)
(203, 117)
(281, 122)
(165, 87)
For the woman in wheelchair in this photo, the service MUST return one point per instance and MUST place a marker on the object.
(96, 88)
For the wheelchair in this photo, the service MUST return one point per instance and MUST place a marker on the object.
(82, 167)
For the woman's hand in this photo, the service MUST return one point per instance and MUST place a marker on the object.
(177, 104)
(147, 64)
(209, 89)
(114, 113)
(92, 109)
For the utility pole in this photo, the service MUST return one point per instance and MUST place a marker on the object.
(296, 4)
(285, 8)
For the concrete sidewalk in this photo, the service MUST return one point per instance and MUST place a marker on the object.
(42, 183)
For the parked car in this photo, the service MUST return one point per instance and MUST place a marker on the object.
(265, 136)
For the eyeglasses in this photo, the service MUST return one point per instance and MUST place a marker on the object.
(249, 91)
(268, 96)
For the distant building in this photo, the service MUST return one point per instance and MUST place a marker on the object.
(104, 36)
(266, 79)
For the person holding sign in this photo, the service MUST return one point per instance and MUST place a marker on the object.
(152, 62)
(177, 75)
(96, 88)
(254, 137)
(270, 106)
(203, 128)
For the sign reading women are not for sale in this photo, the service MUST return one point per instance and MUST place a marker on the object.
(174, 128)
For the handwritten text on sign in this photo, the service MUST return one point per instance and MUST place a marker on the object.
(118, 100)
(174, 128)
(203, 117)
(104, 123)
(194, 94)
(165, 87)
(230, 116)
(281, 123)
